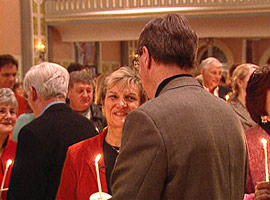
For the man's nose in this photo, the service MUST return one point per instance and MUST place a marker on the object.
(85, 93)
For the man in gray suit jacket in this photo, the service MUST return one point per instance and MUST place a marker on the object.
(183, 144)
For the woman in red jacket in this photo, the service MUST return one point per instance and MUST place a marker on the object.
(258, 105)
(8, 116)
(121, 93)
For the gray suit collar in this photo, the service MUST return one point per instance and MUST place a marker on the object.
(180, 82)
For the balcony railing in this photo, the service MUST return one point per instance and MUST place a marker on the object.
(82, 9)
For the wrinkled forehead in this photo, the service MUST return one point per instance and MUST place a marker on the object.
(214, 66)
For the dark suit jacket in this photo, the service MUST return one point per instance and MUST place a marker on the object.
(223, 91)
(41, 152)
(185, 144)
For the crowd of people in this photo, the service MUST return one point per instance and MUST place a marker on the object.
(161, 132)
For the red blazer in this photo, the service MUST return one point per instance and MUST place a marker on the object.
(79, 178)
(8, 153)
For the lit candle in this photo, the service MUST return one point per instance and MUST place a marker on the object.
(98, 177)
(9, 162)
(264, 142)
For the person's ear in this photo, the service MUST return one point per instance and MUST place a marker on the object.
(147, 57)
(239, 82)
(33, 93)
(202, 72)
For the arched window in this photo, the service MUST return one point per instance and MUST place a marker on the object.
(216, 48)
(215, 52)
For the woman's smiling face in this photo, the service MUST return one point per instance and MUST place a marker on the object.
(8, 116)
(119, 101)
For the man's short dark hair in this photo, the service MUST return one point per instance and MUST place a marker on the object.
(257, 88)
(7, 59)
(75, 67)
(170, 40)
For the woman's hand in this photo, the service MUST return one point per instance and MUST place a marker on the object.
(262, 191)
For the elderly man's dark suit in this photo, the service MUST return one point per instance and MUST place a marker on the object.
(41, 152)
(185, 144)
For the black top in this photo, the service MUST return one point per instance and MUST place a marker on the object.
(110, 155)
(266, 127)
(167, 80)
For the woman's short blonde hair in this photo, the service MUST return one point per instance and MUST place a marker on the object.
(240, 73)
(124, 75)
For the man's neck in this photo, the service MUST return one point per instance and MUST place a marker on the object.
(43, 103)
(163, 72)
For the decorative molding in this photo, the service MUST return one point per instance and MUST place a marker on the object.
(74, 10)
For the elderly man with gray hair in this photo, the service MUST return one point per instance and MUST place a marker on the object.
(42, 144)
(211, 69)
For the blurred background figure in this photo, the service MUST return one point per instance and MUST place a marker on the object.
(8, 116)
(240, 79)
(258, 105)
(80, 96)
(8, 71)
(75, 67)
(122, 92)
(18, 89)
(42, 144)
(211, 69)
(8, 75)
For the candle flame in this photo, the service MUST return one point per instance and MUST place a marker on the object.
(97, 158)
(9, 162)
(227, 97)
(264, 142)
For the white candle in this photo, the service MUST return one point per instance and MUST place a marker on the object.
(264, 142)
(98, 176)
(9, 162)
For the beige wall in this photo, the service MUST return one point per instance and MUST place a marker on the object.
(110, 56)
(61, 50)
(260, 46)
(235, 46)
(111, 51)
(10, 27)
